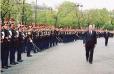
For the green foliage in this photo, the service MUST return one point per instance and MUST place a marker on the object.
(68, 14)
(108, 26)
(14, 8)
(46, 16)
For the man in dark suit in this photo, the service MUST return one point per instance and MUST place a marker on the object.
(106, 36)
(90, 41)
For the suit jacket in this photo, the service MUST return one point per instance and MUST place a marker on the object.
(90, 39)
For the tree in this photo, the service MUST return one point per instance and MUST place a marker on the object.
(6, 7)
(99, 17)
(68, 14)
(46, 16)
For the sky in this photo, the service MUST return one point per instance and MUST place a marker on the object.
(87, 4)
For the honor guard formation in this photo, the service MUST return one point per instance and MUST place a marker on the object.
(23, 39)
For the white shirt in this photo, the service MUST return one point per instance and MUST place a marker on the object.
(17, 33)
(10, 33)
(3, 35)
(90, 32)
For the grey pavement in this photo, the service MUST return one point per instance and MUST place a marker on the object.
(68, 58)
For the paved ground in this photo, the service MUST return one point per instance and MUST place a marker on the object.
(68, 59)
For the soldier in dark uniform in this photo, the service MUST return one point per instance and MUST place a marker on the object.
(2, 47)
(46, 39)
(106, 36)
(1, 41)
(37, 40)
(55, 37)
(13, 42)
(29, 42)
(43, 43)
(12, 50)
(51, 38)
(90, 41)
(76, 35)
(5, 48)
(21, 40)
(34, 36)
(42, 37)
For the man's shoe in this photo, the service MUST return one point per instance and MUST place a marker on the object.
(29, 56)
(12, 63)
(35, 52)
(20, 60)
(9, 66)
(2, 71)
(5, 67)
(90, 62)
(15, 62)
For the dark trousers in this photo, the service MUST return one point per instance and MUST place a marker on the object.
(12, 55)
(19, 53)
(29, 48)
(89, 54)
(106, 41)
(4, 56)
(28, 52)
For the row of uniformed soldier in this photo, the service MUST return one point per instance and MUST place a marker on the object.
(16, 40)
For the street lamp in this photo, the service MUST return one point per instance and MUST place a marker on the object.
(79, 5)
(23, 9)
(23, 12)
(36, 13)
(18, 3)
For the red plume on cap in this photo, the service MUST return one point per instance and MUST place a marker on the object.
(6, 19)
(12, 19)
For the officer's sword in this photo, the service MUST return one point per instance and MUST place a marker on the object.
(59, 39)
(36, 46)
